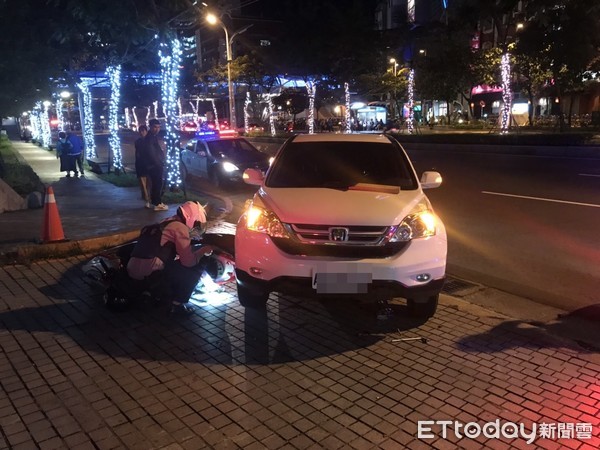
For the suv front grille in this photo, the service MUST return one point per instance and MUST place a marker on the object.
(350, 235)
(353, 241)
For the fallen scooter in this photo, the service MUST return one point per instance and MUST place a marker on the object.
(107, 272)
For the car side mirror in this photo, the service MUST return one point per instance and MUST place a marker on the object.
(253, 176)
(430, 180)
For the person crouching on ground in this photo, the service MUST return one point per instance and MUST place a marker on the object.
(160, 244)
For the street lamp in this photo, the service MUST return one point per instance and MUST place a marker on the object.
(213, 20)
(394, 66)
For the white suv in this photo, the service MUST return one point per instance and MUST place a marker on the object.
(341, 214)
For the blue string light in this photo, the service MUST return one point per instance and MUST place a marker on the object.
(170, 59)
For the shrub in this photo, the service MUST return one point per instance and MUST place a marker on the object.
(16, 173)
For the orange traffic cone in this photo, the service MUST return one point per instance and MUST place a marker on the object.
(52, 230)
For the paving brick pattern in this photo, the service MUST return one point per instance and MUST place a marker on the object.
(302, 375)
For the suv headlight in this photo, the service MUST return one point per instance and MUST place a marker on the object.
(264, 221)
(416, 225)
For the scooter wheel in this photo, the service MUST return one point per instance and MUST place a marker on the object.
(114, 301)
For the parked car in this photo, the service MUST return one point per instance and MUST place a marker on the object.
(221, 157)
(252, 128)
(341, 215)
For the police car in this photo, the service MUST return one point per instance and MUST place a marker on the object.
(221, 157)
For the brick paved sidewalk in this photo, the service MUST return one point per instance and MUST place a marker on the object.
(305, 374)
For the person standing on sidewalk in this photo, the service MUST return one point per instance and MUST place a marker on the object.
(63, 149)
(77, 151)
(155, 156)
(141, 164)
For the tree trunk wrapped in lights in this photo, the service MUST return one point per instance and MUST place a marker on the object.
(46, 133)
(506, 93)
(348, 128)
(170, 60)
(214, 108)
(114, 74)
(87, 125)
(410, 122)
(246, 106)
(311, 89)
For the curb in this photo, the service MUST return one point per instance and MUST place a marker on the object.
(27, 253)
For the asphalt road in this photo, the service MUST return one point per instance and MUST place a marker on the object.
(524, 224)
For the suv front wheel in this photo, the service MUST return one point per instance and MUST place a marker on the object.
(252, 298)
(423, 308)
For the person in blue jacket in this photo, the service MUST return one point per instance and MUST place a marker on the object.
(76, 152)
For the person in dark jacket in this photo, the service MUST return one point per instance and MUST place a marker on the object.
(155, 157)
(141, 164)
(63, 150)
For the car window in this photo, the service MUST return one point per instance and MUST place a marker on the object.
(339, 165)
(230, 148)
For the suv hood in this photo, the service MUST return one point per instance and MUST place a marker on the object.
(335, 207)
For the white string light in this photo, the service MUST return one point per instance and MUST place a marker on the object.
(179, 112)
(46, 132)
(246, 115)
(506, 93)
(114, 75)
(410, 123)
(348, 128)
(311, 88)
(271, 115)
(88, 119)
(127, 118)
(59, 113)
(36, 123)
(170, 59)
(214, 107)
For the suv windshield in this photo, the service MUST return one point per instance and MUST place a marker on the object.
(340, 165)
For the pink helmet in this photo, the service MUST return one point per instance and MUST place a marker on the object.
(192, 214)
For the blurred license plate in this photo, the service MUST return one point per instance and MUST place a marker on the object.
(341, 283)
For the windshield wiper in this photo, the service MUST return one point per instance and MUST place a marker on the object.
(337, 185)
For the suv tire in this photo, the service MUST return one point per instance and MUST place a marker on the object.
(249, 298)
(422, 308)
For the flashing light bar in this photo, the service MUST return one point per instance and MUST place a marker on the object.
(228, 132)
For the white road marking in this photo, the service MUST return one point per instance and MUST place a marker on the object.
(589, 174)
(542, 199)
